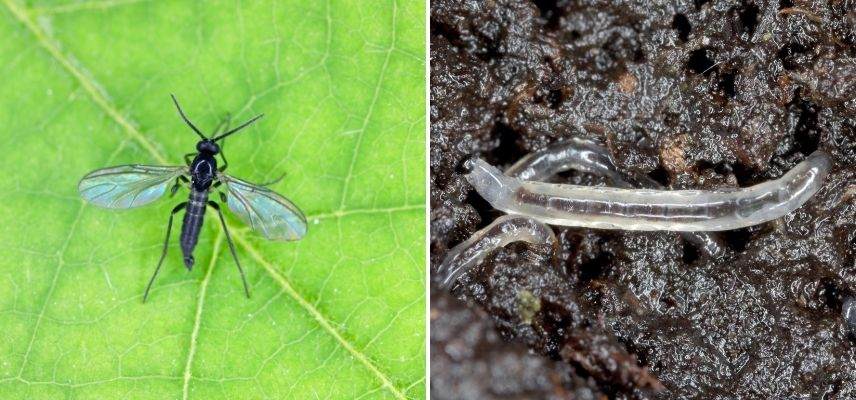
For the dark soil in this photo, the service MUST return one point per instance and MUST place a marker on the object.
(473, 353)
(705, 94)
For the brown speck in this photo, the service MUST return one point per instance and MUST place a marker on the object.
(673, 154)
(627, 83)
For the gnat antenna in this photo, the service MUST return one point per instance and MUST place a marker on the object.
(184, 117)
(244, 125)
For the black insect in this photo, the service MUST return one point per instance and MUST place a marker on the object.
(128, 186)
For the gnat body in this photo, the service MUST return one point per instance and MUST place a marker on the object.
(129, 186)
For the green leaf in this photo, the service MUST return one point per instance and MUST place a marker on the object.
(339, 314)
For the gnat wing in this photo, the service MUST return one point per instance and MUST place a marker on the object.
(268, 213)
(127, 186)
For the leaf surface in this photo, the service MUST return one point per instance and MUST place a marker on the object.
(339, 314)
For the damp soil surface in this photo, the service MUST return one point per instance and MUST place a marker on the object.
(697, 94)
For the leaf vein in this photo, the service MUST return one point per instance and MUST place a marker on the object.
(370, 111)
(197, 321)
(84, 6)
(49, 294)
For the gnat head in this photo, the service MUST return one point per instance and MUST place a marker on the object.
(207, 145)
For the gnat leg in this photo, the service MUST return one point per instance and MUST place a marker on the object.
(216, 207)
(165, 247)
(224, 125)
(188, 158)
(177, 184)
(174, 188)
(223, 156)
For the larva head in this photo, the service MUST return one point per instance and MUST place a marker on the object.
(489, 182)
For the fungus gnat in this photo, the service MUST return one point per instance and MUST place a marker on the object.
(129, 186)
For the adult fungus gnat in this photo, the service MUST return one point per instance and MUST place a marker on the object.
(502, 231)
(650, 210)
(587, 156)
(129, 186)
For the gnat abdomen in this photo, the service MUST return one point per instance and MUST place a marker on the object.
(194, 216)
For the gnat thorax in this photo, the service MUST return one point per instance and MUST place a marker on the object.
(203, 171)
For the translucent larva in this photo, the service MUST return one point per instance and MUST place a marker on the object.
(502, 231)
(848, 312)
(587, 156)
(648, 209)
(576, 153)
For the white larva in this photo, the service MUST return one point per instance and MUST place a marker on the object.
(502, 231)
(848, 313)
(587, 156)
(650, 210)
(575, 153)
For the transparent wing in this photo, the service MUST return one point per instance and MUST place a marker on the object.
(127, 186)
(268, 213)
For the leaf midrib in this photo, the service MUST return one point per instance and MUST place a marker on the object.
(197, 320)
(89, 84)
